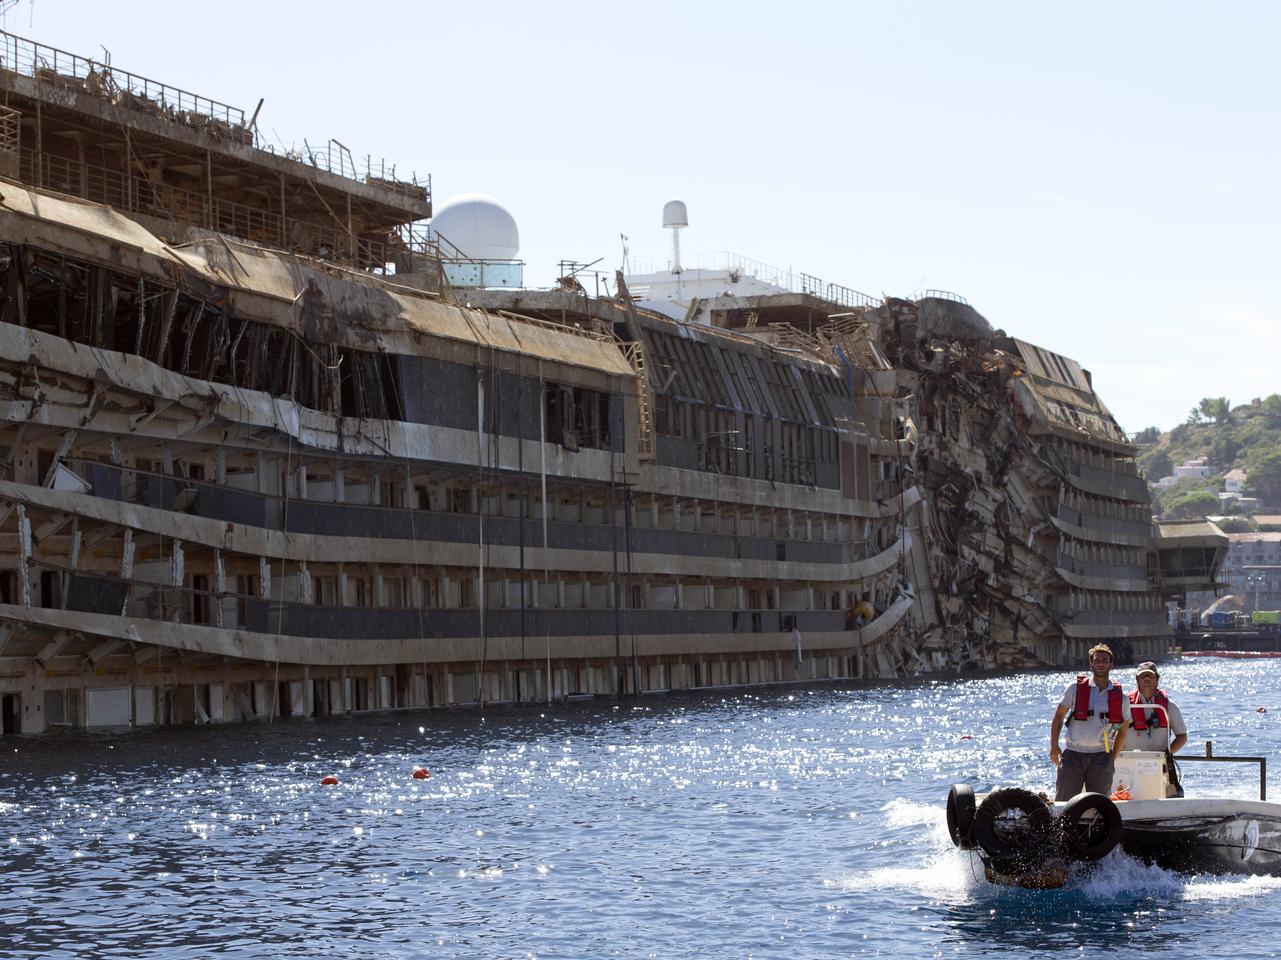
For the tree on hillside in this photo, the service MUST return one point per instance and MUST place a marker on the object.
(1214, 409)
(1265, 476)
(1150, 435)
(1159, 465)
(1271, 410)
(1224, 449)
(1190, 504)
(1255, 435)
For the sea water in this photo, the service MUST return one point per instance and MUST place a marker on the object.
(783, 822)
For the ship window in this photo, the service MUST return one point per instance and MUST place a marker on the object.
(369, 385)
(61, 707)
(432, 592)
(393, 592)
(577, 417)
(670, 416)
(199, 608)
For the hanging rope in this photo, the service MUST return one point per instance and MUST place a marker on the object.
(413, 529)
(542, 479)
(264, 589)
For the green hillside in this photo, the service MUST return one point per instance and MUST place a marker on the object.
(1247, 436)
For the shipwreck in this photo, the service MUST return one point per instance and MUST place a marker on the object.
(265, 453)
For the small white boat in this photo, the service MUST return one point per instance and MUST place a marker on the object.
(1025, 839)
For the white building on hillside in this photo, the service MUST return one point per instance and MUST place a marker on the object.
(1198, 467)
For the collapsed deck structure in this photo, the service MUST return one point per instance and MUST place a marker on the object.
(258, 459)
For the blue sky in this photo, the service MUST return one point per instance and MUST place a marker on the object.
(1098, 178)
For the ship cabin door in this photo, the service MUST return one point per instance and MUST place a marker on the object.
(319, 698)
(11, 713)
(284, 702)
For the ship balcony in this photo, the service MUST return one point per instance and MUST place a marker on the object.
(78, 592)
(315, 513)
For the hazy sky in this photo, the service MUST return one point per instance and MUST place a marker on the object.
(1098, 178)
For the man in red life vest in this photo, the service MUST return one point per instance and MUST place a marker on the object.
(1151, 728)
(1097, 712)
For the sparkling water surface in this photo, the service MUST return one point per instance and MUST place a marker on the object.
(789, 822)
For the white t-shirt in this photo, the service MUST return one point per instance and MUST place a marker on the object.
(1086, 736)
(1156, 737)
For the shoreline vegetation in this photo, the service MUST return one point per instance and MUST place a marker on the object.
(1245, 437)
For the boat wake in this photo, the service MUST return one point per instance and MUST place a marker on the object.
(941, 872)
(910, 813)
(1119, 876)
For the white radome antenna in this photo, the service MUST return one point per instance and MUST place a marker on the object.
(478, 226)
(675, 217)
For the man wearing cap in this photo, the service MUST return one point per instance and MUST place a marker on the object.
(1151, 726)
(1097, 713)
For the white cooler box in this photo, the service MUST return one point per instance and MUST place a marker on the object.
(1142, 772)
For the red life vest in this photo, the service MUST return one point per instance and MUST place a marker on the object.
(1083, 711)
(1140, 717)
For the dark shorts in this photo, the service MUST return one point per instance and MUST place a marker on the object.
(1090, 770)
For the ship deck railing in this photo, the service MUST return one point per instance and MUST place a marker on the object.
(70, 72)
(788, 279)
(324, 614)
(82, 74)
(419, 521)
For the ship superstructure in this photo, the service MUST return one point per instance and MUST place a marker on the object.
(260, 460)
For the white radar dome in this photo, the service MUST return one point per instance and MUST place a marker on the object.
(479, 226)
(674, 214)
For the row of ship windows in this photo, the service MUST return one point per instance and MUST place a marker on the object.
(1092, 506)
(1080, 460)
(196, 601)
(691, 371)
(143, 484)
(725, 448)
(103, 308)
(1103, 553)
(1111, 601)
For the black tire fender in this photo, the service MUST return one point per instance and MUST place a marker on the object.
(960, 815)
(1036, 826)
(1089, 837)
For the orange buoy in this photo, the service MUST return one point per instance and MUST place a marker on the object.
(328, 781)
(421, 773)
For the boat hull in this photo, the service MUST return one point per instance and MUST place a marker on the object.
(1204, 835)
(1186, 834)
